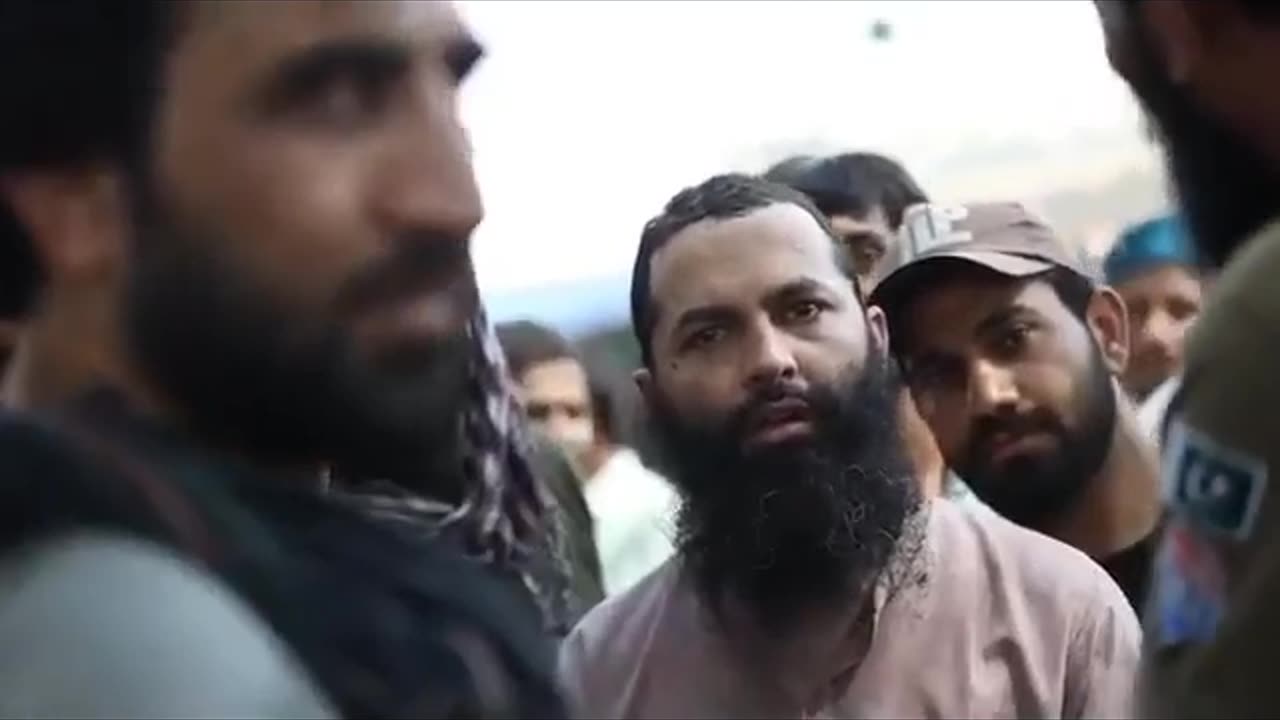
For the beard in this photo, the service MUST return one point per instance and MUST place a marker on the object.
(252, 374)
(1225, 186)
(1032, 489)
(796, 526)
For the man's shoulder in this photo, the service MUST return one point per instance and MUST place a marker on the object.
(97, 593)
(612, 639)
(628, 612)
(1044, 574)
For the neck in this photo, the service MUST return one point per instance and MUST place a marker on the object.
(1121, 505)
(926, 459)
(68, 348)
(596, 459)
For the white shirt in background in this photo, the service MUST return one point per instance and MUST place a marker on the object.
(633, 509)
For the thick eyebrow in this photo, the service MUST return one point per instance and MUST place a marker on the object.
(705, 315)
(1000, 318)
(927, 357)
(462, 54)
(796, 290)
(308, 70)
(864, 236)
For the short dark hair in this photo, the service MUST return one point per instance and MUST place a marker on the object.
(852, 184)
(526, 344)
(719, 198)
(81, 79)
(1074, 290)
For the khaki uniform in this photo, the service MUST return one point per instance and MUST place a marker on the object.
(1213, 624)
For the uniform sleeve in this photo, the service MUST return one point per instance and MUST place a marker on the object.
(1104, 657)
(106, 626)
(1214, 618)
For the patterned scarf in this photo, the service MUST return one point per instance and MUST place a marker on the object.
(504, 518)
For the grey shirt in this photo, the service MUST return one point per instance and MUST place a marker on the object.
(109, 626)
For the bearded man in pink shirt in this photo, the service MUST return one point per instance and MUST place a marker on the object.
(811, 579)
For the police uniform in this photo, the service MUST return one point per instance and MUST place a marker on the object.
(1213, 624)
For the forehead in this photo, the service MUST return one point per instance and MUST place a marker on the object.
(956, 311)
(872, 219)
(1167, 278)
(737, 260)
(560, 378)
(233, 39)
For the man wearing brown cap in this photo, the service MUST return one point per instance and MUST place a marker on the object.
(1011, 351)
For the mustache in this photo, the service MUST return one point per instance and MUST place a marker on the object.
(755, 408)
(419, 263)
(1013, 425)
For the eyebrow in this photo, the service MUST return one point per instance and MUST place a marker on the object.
(707, 314)
(794, 290)
(462, 54)
(1001, 317)
(309, 69)
(864, 236)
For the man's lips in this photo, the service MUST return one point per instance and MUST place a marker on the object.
(779, 420)
(1005, 445)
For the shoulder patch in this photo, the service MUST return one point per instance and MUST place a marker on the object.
(1187, 596)
(1213, 487)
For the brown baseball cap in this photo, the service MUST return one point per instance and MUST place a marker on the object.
(1003, 237)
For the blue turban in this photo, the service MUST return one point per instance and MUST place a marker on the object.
(1162, 241)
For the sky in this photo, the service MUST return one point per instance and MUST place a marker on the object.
(586, 116)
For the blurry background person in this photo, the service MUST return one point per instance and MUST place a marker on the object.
(864, 196)
(559, 468)
(630, 505)
(1155, 269)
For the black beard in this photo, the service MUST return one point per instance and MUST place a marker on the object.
(1225, 186)
(1033, 490)
(797, 526)
(251, 375)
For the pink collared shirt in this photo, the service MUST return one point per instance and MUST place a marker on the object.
(1006, 623)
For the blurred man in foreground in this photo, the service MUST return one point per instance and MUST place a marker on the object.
(630, 505)
(810, 579)
(1205, 74)
(238, 235)
(1011, 352)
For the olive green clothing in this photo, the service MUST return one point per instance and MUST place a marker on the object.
(1213, 625)
(585, 577)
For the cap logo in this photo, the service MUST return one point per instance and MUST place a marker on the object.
(928, 226)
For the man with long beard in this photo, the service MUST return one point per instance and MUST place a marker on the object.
(1012, 353)
(237, 235)
(1205, 74)
(864, 196)
(810, 578)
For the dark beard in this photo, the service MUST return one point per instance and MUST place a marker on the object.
(1033, 490)
(1225, 187)
(251, 375)
(798, 526)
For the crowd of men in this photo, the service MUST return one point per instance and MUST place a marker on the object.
(263, 455)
